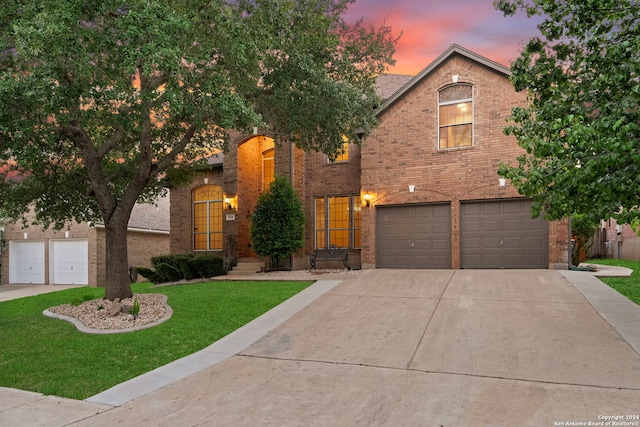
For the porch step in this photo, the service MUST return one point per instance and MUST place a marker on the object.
(246, 266)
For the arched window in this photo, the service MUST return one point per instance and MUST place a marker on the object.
(268, 168)
(207, 218)
(455, 110)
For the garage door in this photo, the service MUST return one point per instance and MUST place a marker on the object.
(69, 262)
(26, 262)
(414, 236)
(502, 234)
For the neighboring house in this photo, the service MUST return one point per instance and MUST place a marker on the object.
(618, 241)
(422, 191)
(76, 254)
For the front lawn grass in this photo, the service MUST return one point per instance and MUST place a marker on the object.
(627, 286)
(51, 356)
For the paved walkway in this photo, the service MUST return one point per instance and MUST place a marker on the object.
(391, 347)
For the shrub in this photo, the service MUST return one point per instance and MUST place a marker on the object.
(149, 274)
(208, 265)
(183, 263)
(172, 268)
(169, 273)
(278, 222)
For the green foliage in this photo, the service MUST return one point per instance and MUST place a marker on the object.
(208, 265)
(172, 268)
(277, 224)
(102, 104)
(581, 128)
(77, 365)
(149, 274)
(583, 229)
(168, 272)
(135, 310)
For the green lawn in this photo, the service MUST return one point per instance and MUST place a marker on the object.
(627, 286)
(51, 356)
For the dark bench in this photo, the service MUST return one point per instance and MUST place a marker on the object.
(331, 254)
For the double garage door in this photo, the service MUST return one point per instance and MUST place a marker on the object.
(68, 262)
(493, 234)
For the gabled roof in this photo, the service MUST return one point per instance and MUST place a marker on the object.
(388, 84)
(453, 50)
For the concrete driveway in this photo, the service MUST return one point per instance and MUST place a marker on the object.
(423, 348)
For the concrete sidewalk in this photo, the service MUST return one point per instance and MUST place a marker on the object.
(393, 347)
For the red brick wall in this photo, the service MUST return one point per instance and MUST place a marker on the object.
(404, 151)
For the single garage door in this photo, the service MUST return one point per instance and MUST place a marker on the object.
(26, 262)
(502, 234)
(69, 260)
(413, 236)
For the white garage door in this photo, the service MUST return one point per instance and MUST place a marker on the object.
(26, 262)
(69, 262)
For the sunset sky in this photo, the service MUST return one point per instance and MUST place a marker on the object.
(429, 27)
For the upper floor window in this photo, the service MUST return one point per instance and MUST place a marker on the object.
(268, 168)
(455, 111)
(343, 155)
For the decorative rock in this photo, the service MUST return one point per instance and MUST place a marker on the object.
(115, 308)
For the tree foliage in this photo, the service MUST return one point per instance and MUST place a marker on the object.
(581, 128)
(277, 224)
(101, 105)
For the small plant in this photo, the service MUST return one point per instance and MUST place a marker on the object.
(100, 307)
(135, 310)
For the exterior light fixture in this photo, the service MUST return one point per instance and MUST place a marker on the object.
(412, 188)
(206, 180)
(227, 203)
(502, 182)
(367, 200)
(454, 78)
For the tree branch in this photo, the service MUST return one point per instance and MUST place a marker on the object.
(113, 141)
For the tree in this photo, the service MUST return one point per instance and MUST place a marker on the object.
(101, 106)
(581, 127)
(277, 224)
(583, 230)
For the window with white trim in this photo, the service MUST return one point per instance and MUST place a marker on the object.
(455, 116)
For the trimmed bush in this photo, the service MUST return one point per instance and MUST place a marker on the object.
(184, 265)
(208, 265)
(149, 274)
(168, 272)
(172, 268)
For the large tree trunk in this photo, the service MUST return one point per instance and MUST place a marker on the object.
(117, 262)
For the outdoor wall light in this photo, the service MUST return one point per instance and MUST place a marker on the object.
(367, 200)
(502, 182)
(454, 78)
(227, 203)
(412, 188)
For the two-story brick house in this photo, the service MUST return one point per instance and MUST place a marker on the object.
(422, 191)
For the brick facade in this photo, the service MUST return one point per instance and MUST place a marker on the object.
(402, 151)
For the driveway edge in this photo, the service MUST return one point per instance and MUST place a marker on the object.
(621, 313)
(222, 349)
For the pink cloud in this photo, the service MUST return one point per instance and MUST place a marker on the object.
(429, 28)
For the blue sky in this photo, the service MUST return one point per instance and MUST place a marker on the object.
(429, 27)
